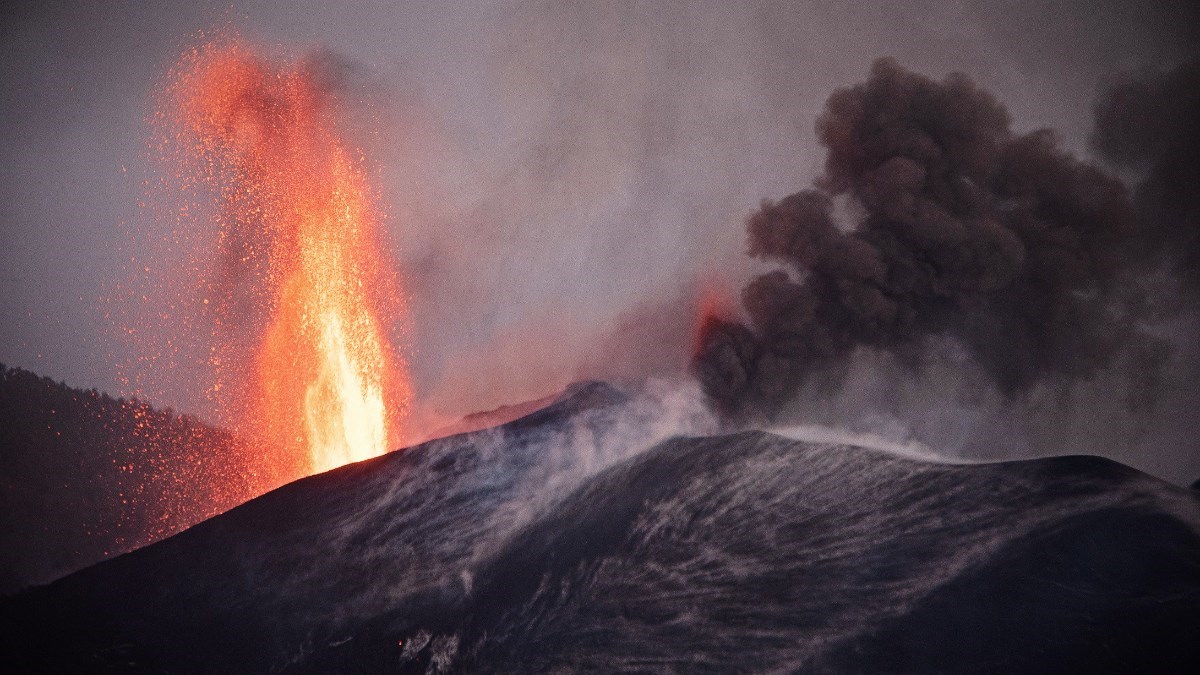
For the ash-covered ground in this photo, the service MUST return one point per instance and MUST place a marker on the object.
(609, 532)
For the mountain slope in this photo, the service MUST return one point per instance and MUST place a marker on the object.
(559, 541)
(84, 476)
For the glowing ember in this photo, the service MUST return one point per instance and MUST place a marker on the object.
(712, 302)
(296, 256)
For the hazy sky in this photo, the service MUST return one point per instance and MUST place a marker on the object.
(549, 169)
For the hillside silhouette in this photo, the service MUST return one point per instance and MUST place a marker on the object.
(84, 476)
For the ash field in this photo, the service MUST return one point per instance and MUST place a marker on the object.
(597, 535)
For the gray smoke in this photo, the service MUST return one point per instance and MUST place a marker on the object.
(1148, 124)
(933, 220)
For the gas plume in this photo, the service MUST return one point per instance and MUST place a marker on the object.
(1147, 124)
(934, 220)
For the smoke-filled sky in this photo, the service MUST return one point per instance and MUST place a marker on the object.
(563, 180)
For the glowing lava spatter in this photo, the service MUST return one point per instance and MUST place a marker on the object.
(298, 259)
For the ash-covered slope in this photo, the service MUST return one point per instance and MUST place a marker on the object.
(557, 542)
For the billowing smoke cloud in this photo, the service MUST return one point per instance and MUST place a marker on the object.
(933, 220)
(1149, 125)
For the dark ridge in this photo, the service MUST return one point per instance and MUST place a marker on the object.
(131, 607)
(1097, 592)
(84, 476)
(597, 522)
(580, 396)
(1066, 467)
(407, 560)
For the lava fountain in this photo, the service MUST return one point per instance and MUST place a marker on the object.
(296, 266)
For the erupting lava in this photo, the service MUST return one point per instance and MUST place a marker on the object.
(298, 266)
(713, 303)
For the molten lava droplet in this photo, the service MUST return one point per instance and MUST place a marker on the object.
(297, 259)
(344, 410)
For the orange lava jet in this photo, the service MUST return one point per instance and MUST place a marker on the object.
(296, 263)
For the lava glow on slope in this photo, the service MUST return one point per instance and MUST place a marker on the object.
(296, 268)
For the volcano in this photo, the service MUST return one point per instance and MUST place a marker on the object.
(603, 532)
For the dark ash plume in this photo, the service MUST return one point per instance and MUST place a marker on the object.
(1002, 242)
(1152, 125)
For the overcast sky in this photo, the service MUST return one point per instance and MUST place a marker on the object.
(549, 169)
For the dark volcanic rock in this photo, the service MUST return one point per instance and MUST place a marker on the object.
(557, 542)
